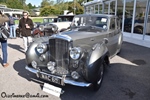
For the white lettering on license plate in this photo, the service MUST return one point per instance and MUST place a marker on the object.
(51, 78)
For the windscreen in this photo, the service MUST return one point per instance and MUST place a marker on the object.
(90, 21)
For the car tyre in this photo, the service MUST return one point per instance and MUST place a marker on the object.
(97, 83)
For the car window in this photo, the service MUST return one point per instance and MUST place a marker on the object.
(45, 20)
(90, 21)
(112, 23)
(65, 18)
(59, 20)
(76, 22)
(101, 22)
(118, 23)
(51, 20)
(55, 19)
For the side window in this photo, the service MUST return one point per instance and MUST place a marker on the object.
(45, 20)
(55, 19)
(112, 23)
(118, 23)
(101, 22)
(76, 22)
(59, 20)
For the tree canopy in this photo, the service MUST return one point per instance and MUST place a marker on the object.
(47, 7)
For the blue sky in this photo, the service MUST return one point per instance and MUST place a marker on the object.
(34, 2)
(38, 2)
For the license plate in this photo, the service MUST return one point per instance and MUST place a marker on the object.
(52, 78)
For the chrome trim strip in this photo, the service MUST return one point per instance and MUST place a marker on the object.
(75, 83)
(61, 36)
(66, 80)
(31, 70)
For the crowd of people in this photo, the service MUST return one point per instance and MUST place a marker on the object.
(25, 24)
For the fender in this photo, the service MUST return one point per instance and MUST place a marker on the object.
(31, 53)
(94, 60)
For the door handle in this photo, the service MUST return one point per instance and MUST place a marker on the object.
(108, 35)
(92, 39)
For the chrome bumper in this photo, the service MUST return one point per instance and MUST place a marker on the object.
(66, 80)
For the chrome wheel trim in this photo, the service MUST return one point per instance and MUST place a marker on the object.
(101, 74)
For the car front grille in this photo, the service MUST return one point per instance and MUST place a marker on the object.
(59, 51)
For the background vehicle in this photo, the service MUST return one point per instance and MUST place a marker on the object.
(78, 56)
(62, 23)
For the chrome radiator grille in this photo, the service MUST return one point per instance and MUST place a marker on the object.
(59, 51)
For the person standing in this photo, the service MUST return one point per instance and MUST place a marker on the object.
(3, 19)
(12, 27)
(26, 25)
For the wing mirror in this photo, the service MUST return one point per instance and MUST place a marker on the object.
(105, 40)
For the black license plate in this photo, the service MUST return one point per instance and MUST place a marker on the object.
(51, 78)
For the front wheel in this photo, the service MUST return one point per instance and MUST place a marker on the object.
(97, 83)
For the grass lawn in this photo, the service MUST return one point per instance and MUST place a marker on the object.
(37, 20)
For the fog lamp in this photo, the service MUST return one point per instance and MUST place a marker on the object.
(34, 64)
(42, 57)
(75, 75)
(51, 65)
(75, 64)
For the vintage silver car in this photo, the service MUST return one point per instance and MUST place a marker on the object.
(77, 56)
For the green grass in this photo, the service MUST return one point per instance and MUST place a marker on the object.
(33, 19)
(37, 20)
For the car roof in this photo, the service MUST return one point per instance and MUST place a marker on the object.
(49, 18)
(97, 15)
(65, 15)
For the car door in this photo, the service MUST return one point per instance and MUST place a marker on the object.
(112, 36)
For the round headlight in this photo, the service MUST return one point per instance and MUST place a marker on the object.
(41, 48)
(41, 27)
(35, 25)
(75, 53)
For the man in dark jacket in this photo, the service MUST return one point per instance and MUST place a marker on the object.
(26, 26)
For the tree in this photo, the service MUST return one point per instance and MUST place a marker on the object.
(49, 10)
(30, 6)
(45, 3)
(34, 6)
(15, 4)
(76, 8)
(60, 1)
